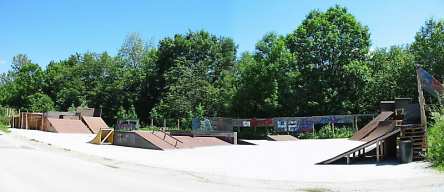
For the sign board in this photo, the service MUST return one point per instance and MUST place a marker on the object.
(246, 124)
(293, 124)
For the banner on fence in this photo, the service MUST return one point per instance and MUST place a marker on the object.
(340, 119)
(293, 124)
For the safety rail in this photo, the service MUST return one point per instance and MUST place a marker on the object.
(164, 137)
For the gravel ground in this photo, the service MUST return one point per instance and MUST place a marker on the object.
(281, 162)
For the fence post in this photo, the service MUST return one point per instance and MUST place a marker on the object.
(26, 119)
(178, 124)
(20, 120)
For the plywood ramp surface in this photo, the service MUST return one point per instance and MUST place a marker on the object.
(155, 140)
(191, 142)
(67, 126)
(367, 129)
(165, 141)
(95, 123)
(281, 138)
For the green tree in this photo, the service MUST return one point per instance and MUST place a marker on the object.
(63, 82)
(19, 60)
(264, 79)
(428, 47)
(29, 79)
(324, 45)
(191, 71)
(393, 75)
(39, 102)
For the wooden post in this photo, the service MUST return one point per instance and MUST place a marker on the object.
(355, 123)
(23, 120)
(377, 151)
(20, 120)
(178, 124)
(313, 129)
(41, 127)
(382, 148)
(26, 119)
(421, 99)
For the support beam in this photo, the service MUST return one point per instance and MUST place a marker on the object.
(377, 151)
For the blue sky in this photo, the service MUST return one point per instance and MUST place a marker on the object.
(53, 30)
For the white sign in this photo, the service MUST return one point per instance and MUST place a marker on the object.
(246, 123)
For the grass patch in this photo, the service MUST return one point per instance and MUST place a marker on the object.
(435, 141)
(316, 190)
(4, 128)
(329, 132)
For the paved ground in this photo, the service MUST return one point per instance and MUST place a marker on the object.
(30, 165)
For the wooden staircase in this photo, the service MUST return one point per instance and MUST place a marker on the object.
(417, 134)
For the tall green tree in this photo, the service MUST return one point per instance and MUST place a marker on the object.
(428, 47)
(324, 45)
(393, 75)
(265, 79)
(196, 64)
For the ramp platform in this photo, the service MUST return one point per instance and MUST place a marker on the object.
(67, 126)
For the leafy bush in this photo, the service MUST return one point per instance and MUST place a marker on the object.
(435, 141)
(39, 102)
(4, 128)
(329, 132)
(4, 120)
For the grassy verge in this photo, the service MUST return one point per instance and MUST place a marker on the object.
(4, 128)
(435, 141)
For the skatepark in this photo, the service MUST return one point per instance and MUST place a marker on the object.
(370, 160)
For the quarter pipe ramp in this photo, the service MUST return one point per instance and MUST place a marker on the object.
(66, 126)
(94, 123)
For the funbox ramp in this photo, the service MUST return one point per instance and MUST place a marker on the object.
(162, 141)
(94, 123)
(383, 130)
(67, 126)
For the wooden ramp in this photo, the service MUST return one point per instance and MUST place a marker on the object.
(281, 138)
(103, 136)
(160, 140)
(67, 126)
(94, 123)
(383, 131)
(372, 125)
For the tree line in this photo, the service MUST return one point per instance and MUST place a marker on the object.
(325, 66)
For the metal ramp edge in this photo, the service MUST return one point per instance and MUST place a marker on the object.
(358, 148)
